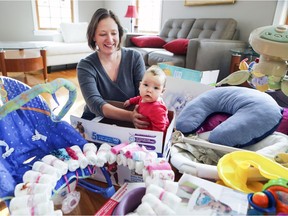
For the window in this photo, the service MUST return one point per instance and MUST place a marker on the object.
(149, 15)
(281, 13)
(49, 14)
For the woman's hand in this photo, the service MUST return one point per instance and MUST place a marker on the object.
(138, 119)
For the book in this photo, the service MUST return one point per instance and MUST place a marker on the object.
(204, 197)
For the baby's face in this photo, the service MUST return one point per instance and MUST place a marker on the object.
(151, 87)
(217, 206)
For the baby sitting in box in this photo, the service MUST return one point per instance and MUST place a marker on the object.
(151, 105)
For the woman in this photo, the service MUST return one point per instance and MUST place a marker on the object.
(111, 72)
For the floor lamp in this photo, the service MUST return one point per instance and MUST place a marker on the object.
(131, 13)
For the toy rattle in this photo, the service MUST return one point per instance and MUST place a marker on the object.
(273, 199)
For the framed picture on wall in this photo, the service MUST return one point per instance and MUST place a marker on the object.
(207, 2)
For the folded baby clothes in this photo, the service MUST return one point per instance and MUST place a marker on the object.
(145, 209)
(127, 147)
(132, 148)
(90, 150)
(28, 188)
(103, 154)
(170, 186)
(82, 160)
(157, 206)
(139, 155)
(139, 167)
(46, 208)
(28, 201)
(55, 162)
(166, 197)
(163, 174)
(121, 159)
(130, 164)
(63, 155)
(116, 149)
(46, 169)
(37, 177)
(161, 165)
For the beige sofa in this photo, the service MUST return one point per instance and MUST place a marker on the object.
(210, 42)
(69, 45)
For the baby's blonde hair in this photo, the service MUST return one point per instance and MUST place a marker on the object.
(157, 71)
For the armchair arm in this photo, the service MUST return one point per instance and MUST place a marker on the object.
(210, 54)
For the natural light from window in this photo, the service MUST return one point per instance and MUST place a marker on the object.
(48, 15)
(149, 16)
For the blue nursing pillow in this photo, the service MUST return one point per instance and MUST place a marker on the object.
(254, 115)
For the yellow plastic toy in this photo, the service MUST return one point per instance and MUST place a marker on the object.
(234, 169)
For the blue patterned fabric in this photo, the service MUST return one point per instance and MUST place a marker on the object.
(29, 132)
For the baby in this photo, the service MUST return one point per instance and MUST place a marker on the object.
(151, 104)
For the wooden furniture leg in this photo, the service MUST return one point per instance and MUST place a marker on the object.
(2, 63)
(235, 61)
(45, 72)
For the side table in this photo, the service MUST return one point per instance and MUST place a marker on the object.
(238, 54)
(23, 57)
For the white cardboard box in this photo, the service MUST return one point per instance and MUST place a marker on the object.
(178, 92)
(116, 132)
(204, 77)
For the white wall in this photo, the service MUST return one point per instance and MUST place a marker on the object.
(16, 21)
(250, 14)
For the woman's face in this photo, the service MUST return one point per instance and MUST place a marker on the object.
(107, 36)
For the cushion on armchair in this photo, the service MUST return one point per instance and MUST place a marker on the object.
(254, 115)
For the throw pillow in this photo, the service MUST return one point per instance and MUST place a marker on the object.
(178, 46)
(148, 41)
(74, 32)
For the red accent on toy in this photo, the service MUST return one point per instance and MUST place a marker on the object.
(260, 199)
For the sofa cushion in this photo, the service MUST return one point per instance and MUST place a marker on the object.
(176, 28)
(74, 32)
(148, 41)
(213, 28)
(177, 46)
(60, 48)
(165, 56)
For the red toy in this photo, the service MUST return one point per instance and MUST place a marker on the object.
(273, 199)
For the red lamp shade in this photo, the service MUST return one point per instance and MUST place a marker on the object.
(131, 11)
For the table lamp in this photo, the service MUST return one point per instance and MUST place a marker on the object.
(131, 13)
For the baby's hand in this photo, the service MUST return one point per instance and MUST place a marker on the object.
(126, 103)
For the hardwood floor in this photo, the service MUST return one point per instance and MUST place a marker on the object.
(90, 202)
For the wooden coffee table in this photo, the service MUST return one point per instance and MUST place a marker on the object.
(23, 57)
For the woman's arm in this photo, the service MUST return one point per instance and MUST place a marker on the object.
(114, 112)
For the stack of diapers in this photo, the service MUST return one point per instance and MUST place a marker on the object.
(146, 163)
(34, 196)
(158, 201)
